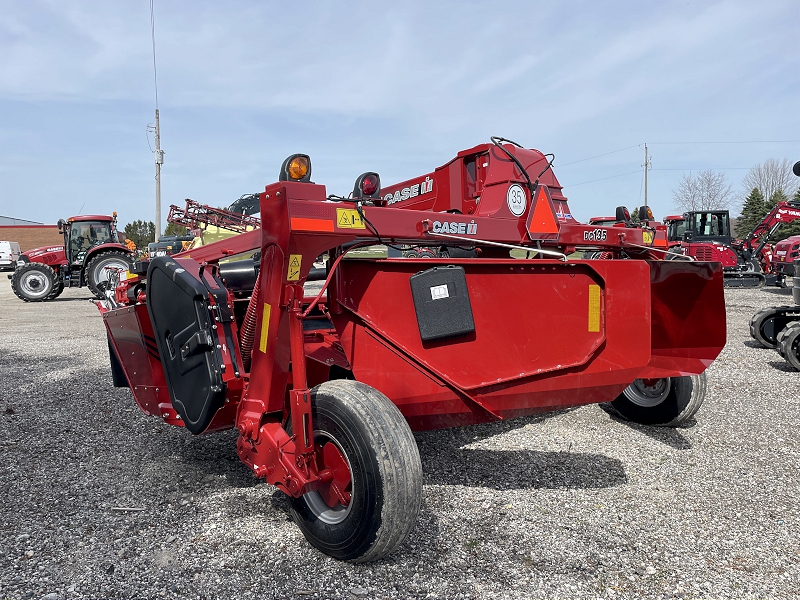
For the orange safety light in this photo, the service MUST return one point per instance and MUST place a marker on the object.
(297, 167)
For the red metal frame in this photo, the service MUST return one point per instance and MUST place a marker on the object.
(548, 333)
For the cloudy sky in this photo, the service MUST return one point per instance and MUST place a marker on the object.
(395, 87)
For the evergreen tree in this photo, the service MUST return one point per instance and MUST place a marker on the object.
(788, 229)
(753, 210)
(175, 229)
(141, 232)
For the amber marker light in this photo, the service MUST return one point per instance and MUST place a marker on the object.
(296, 168)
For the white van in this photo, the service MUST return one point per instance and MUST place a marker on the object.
(9, 253)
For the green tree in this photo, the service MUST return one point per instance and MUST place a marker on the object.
(141, 233)
(753, 210)
(175, 229)
(788, 229)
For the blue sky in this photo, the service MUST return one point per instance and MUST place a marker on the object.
(397, 88)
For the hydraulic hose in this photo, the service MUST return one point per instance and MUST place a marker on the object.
(248, 333)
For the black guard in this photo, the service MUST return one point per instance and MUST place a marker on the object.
(179, 307)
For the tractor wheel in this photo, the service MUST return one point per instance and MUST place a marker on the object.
(789, 344)
(763, 326)
(58, 288)
(97, 271)
(34, 282)
(374, 498)
(665, 402)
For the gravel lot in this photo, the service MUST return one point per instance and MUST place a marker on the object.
(575, 504)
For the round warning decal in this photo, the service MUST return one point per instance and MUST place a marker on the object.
(516, 199)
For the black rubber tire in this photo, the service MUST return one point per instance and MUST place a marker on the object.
(58, 289)
(762, 326)
(99, 262)
(34, 282)
(386, 469)
(682, 397)
(789, 344)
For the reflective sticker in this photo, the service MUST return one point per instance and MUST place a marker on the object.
(439, 291)
(647, 237)
(264, 328)
(594, 308)
(293, 273)
(301, 224)
(348, 218)
(542, 219)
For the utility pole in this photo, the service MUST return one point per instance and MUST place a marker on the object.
(160, 161)
(646, 168)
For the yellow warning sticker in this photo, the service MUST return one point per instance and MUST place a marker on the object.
(647, 237)
(293, 273)
(594, 308)
(348, 218)
(262, 345)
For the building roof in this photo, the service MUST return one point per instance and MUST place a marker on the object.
(12, 221)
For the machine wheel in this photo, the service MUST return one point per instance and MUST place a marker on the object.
(57, 290)
(374, 498)
(34, 282)
(97, 275)
(789, 344)
(767, 323)
(665, 402)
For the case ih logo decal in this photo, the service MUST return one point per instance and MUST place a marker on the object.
(418, 189)
(470, 228)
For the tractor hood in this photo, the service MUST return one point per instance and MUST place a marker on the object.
(49, 255)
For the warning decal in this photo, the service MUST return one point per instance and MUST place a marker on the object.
(594, 308)
(295, 261)
(647, 237)
(544, 220)
(348, 218)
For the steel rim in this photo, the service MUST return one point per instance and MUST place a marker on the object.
(103, 272)
(34, 284)
(648, 393)
(316, 504)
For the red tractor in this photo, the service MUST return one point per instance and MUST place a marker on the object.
(325, 391)
(90, 254)
(676, 226)
(786, 253)
(747, 262)
(778, 327)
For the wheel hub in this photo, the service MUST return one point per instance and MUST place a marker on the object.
(648, 392)
(34, 284)
(330, 502)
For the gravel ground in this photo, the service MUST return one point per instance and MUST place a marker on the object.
(575, 504)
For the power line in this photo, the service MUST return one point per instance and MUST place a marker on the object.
(697, 169)
(598, 156)
(603, 179)
(729, 142)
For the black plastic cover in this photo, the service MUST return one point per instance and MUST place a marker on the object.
(140, 267)
(178, 303)
(441, 301)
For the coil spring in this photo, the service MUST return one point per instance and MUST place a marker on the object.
(249, 326)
